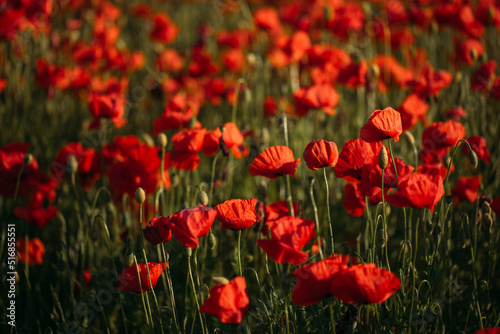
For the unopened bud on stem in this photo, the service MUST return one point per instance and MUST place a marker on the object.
(140, 195)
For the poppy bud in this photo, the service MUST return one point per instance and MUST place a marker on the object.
(380, 240)
(383, 159)
(72, 164)
(147, 139)
(447, 161)
(409, 138)
(28, 159)
(473, 158)
(220, 280)
(473, 54)
(212, 242)
(140, 195)
(485, 208)
(189, 252)
(192, 122)
(251, 59)
(373, 73)
(202, 197)
(161, 140)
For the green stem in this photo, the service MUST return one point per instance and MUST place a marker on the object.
(384, 214)
(239, 252)
(190, 273)
(332, 244)
(316, 218)
(393, 163)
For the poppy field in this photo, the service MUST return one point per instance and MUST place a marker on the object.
(233, 166)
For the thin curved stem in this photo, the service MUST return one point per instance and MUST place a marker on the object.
(332, 244)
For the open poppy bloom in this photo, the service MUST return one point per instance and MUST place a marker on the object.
(354, 200)
(382, 124)
(364, 284)
(417, 190)
(354, 155)
(274, 161)
(279, 209)
(190, 224)
(441, 135)
(88, 164)
(466, 189)
(232, 138)
(314, 279)
(228, 302)
(321, 153)
(129, 281)
(108, 106)
(321, 96)
(478, 145)
(371, 174)
(158, 230)
(36, 250)
(164, 30)
(237, 214)
(412, 109)
(288, 236)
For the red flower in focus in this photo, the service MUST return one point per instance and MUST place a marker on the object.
(88, 164)
(288, 236)
(274, 161)
(466, 189)
(364, 284)
(237, 214)
(36, 250)
(279, 209)
(110, 106)
(354, 200)
(442, 135)
(314, 279)
(228, 302)
(190, 224)
(417, 190)
(158, 230)
(129, 281)
(382, 124)
(412, 109)
(321, 153)
(478, 145)
(164, 30)
(354, 155)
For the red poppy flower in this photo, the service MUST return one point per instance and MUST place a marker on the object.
(495, 206)
(456, 113)
(314, 279)
(190, 140)
(190, 224)
(321, 153)
(50, 75)
(430, 82)
(288, 236)
(274, 161)
(435, 168)
(354, 155)
(39, 211)
(228, 302)
(483, 78)
(125, 177)
(238, 38)
(417, 190)
(169, 61)
(442, 135)
(177, 113)
(289, 50)
(158, 230)
(478, 145)
(267, 18)
(466, 189)
(110, 106)
(237, 214)
(495, 330)
(468, 51)
(346, 18)
(234, 60)
(354, 200)
(279, 209)
(392, 73)
(36, 250)
(323, 97)
(232, 139)
(88, 164)
(353, 75)
(164, 30)
(382, 124)
(371, 174)
(129, 281)
(364, 284)
(11, 161)
(412, 109)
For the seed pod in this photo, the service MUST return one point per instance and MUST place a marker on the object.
(28, 159)
(251, 59)
(220, 280)
(189, 252)
(202, 197)
(383, 159)
(212, 242)
(447, 161)
(473, 158)
(72, 164)
(409, 138)
(161, 140)
(140, 195)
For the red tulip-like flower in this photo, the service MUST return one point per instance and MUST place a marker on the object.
(237, 214)
(274, 161)
(228, 302)
(321, 153)
(190, 224)
(364, 284)
(382, 124)
(354, 155)
(36, 250)
(129, 281)
(466, 189)
(289, 235)
(314, 279)
(417, 190)
(158, 230)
